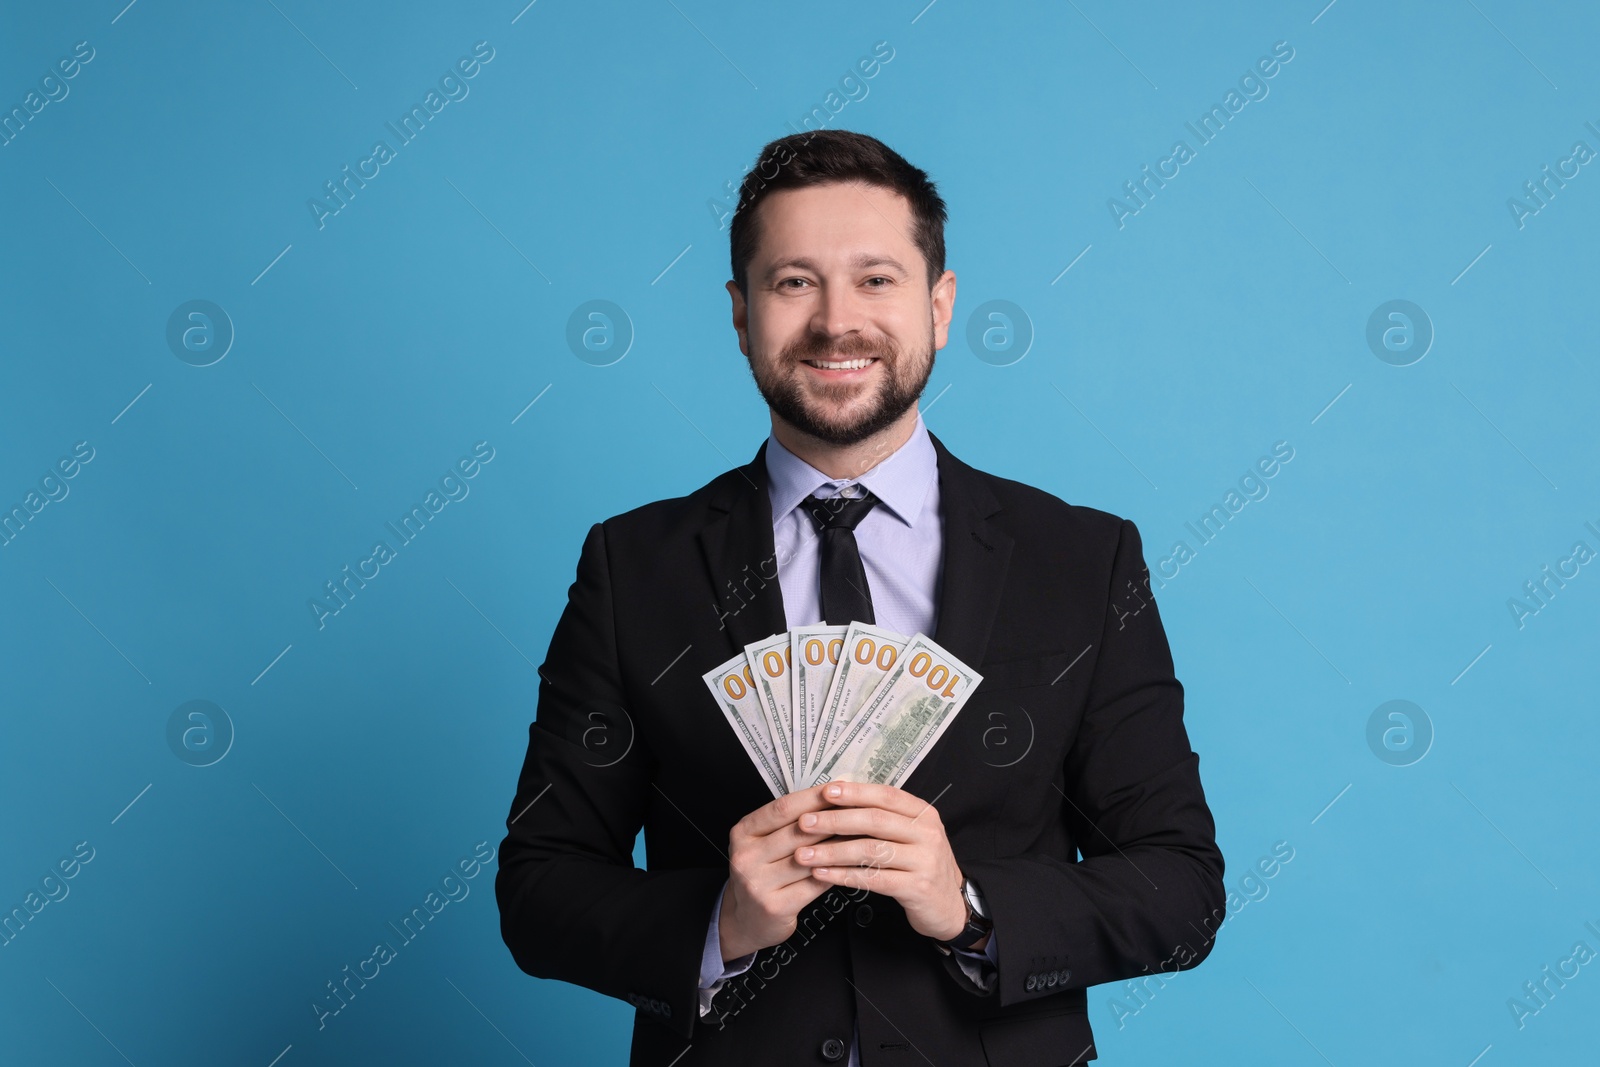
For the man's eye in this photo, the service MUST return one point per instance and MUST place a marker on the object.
(880, 278)
(785, 283)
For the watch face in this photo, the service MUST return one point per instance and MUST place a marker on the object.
(974, 899)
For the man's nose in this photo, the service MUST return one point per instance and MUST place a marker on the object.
(839, 311)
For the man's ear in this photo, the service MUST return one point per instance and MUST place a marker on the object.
(944, 306)
(741, 317)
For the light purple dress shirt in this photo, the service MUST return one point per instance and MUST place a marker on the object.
(901, 542)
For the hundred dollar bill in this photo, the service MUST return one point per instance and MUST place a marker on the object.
(735, 691)
(869, 653)
(769, 663)
(906, 715)
(813, 654)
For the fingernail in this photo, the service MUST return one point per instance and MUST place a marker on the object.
(808, 821)
(819, 870)
(835, 790)
(807, 853)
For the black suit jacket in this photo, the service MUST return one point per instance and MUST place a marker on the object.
(1073, 746)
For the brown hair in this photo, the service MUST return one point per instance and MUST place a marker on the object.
(822, 156)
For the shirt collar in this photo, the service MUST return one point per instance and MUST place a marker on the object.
(901, 480)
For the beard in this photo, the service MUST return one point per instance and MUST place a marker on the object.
(808, 408)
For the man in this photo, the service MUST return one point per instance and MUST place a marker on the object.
(951, 921)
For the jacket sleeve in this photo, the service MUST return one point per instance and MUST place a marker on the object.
(1147, 895)
(573, 907)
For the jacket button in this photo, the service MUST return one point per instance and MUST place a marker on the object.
(864, 915)
(1066, 975)
(832, 1050)
(1032, 983)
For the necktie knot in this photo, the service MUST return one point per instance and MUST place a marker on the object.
(840, 512)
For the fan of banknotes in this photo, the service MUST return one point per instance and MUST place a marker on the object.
(857, 703)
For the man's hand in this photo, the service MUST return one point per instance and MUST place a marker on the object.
(898, 849)
(766, 887)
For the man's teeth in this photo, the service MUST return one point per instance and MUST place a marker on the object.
(847, 364)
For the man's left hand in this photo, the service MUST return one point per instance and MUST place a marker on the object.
(897, 847)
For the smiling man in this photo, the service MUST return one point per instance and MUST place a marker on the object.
(1054, 838)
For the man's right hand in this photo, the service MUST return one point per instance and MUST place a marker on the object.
(766, 887)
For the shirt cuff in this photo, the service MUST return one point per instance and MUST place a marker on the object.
(980, 967)
(713, 971)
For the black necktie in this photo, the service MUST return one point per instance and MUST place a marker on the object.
(845, 596)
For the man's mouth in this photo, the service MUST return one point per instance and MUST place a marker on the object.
(841, 364)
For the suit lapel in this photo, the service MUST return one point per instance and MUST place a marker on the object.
(977, 555)
(741, 562)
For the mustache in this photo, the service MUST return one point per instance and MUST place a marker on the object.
(815, 346)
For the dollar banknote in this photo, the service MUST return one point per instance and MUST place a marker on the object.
(813, 655)
(903, 718)
(868, 653)
(769, 664)
(733, 686)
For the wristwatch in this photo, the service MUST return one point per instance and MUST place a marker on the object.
(978, 922)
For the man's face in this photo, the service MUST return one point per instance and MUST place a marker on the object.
(840, 327)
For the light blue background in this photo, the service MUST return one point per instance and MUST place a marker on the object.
(1227, 315)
